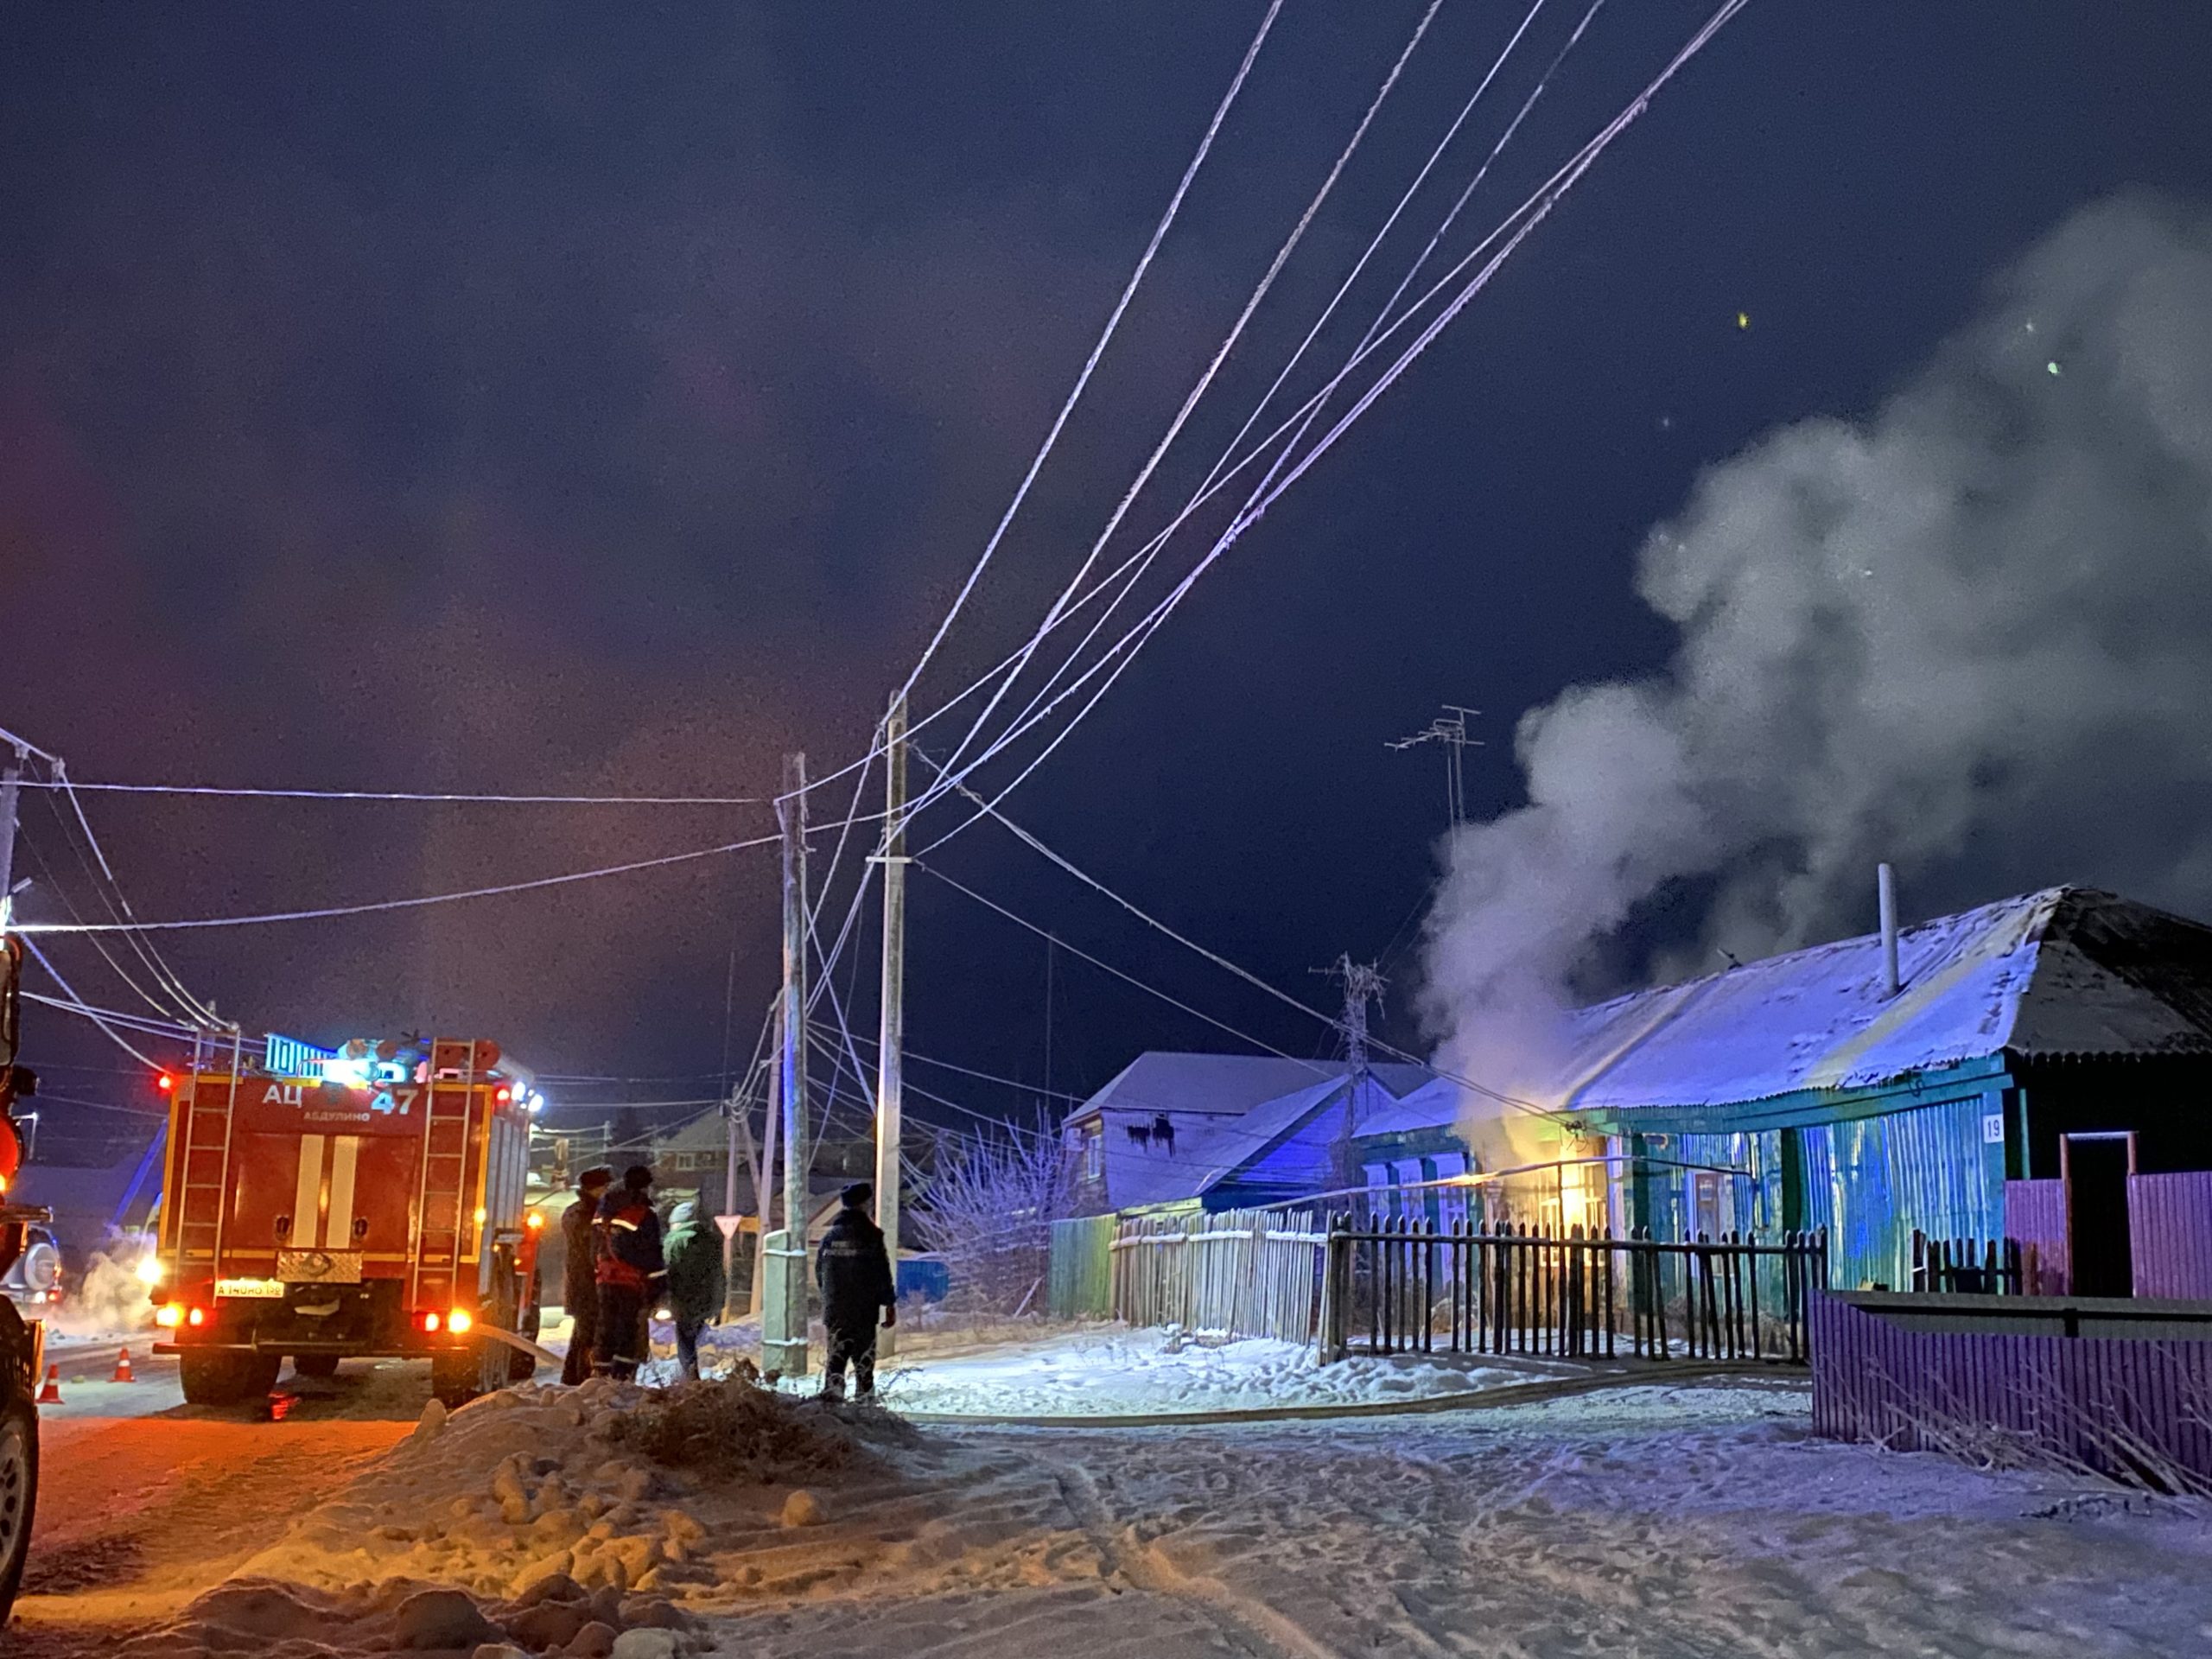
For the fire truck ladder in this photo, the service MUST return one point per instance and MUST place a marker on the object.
(441, 1192)
(203, 1205)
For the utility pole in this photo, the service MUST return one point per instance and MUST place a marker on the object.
(1362, 983)
(784, 1348)
(11, 781)
(764, 1174)
(890, 1054)
(1450, 729)
(733, 1128)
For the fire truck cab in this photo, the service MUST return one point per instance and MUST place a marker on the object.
(324, 1206)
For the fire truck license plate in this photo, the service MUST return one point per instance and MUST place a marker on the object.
(253, 1289)
(319, 1267)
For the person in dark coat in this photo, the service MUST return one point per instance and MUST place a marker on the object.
(631, 1274)
(853, 1270)
(696, 1280)
(580, 1272)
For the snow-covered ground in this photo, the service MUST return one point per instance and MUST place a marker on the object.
(1114, 1372)
(1669, 1522)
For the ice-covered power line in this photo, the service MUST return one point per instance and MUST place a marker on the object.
(980, 1076)
(1206, 377)
(1150, 990)
(77, 1006)
(229, 793)
(1113, 322)
(830, 1049)
(1137, 566)
(1485, 1090)
(54, 887)
(1514, 230)
(331, 910)
(118, 906)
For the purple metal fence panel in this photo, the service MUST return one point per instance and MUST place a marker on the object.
(2119, 1404)
(2170, 1227)
(2035, 1213)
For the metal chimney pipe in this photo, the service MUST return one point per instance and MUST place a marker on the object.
(1885, 886)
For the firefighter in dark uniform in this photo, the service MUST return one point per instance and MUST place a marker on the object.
(853, 1270)
(631, 1272)
(580, 1272)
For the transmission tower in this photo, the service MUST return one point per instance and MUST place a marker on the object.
(1362, 983)
(1449, 729)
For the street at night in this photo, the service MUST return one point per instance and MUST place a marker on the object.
(1286, 829)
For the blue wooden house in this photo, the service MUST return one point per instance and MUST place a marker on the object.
(2023, 1039)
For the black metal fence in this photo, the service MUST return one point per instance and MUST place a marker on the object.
(1407, 1286)
(1989, 1267)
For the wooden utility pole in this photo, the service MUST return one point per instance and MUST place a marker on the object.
(892, 1035)
(786, 1348)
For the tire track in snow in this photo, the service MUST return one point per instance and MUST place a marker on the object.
(1246, 1622)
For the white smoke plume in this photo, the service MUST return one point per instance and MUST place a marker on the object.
(1972, 635)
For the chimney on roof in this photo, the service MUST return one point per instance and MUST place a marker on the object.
(1885, 888)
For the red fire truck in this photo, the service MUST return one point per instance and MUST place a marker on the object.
(373, 1206)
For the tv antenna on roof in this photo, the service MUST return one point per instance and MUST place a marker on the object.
(1450, 729)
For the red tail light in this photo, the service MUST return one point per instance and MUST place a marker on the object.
(164, 1083)
(429, 1323)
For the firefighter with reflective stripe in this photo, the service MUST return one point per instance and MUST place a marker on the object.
(631, 1272)
(580, 1272)
(853, 1270)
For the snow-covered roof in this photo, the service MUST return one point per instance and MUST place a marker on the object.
(2066, 971)
(1221, 1120)
(1227, 1084)
(1437, 1104)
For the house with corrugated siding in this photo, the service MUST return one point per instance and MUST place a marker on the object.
(2059, 1043)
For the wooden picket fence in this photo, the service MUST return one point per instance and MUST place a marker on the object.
(1239, 1273)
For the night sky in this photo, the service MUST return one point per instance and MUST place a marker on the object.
(570, 398)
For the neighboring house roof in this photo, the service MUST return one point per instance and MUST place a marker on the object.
(2068, 971)
(1281, 1142)
(1221, 1084)
(1437, 1104)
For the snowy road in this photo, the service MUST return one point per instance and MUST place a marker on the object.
(1667, 1523)
(1683, 1523)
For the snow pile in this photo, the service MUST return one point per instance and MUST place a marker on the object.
(1128, 1373)
(542, 1519)
(736, 1429)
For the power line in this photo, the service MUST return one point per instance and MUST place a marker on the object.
(1113, 322)
(404, 795)
(1206, 379)
(1520, 223)
(1221, 1025)
(401, 903)
(77, 1005)
(1250, 978)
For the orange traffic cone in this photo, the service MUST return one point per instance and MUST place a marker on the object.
(51, 1394)
(123, 1368)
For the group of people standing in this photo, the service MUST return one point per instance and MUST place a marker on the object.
(620, 1266)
